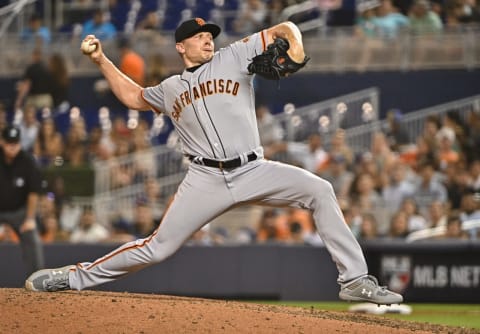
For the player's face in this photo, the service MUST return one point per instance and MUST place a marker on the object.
(11, 149)
(197, 50)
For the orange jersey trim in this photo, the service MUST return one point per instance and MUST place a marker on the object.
(264, 42)
(158, 111)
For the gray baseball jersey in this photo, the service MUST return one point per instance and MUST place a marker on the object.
(214, 114)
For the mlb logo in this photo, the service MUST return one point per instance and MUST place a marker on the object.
(396, 272)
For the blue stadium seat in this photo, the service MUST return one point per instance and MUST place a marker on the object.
(203, 9)
(119, 14)
(173, 14)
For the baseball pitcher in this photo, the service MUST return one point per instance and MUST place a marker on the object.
(211, 104)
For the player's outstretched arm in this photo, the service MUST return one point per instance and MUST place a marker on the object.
(124, 88)
(289, 31)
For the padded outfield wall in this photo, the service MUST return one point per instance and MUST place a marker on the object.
(423, 272)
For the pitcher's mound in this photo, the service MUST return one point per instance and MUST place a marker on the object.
(112, 312)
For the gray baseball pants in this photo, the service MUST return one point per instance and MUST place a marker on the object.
(206, 192)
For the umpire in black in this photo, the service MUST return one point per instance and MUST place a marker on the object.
(20, 185)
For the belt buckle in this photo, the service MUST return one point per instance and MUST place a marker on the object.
(220, 165)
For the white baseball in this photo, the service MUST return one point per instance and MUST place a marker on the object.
(87, 48)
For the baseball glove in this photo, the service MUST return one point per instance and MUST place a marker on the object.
(274, 63)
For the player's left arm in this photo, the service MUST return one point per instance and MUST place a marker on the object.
(289, 31)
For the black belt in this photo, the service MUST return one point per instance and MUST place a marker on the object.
(227, 164)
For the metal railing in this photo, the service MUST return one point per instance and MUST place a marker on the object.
(359, 138)
(325, 117)
(331, 50)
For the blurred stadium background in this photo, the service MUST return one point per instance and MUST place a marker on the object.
(392, 86)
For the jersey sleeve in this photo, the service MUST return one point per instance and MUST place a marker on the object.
(155, 97)
(244, 50)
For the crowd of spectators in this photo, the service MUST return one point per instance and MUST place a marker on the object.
(372, 17)
(403, 188)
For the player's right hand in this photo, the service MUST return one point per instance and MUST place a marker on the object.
(96, 55)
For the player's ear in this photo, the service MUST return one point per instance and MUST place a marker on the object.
(180, 48)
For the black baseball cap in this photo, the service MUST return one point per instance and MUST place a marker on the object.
(191, 27)
(11, 134)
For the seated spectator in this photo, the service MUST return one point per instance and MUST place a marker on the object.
(475, 175)
(251, 17)
(365, 25)
(206, 237)
(397, 136)
(431, 126)
(156, 70)
(399, 226)
(368, 227)
(291, 215)
(145, 163)
(150, 23)
(381, 153)
(470, 210)
(29, 127)
(60, 81)
(429, 187)
(122, 172)
(415, 220)
(76, 143)
(49, 144)
(390, 22)
(120, 232)
(457, 182)
(270, 229)
(338, 145)
(310, 156)
(353, 218)
(100, 26)
(144, 223)
(274, 11)
(296, 234)
(416, 152)
(96, 149)
(35, 87)
(131, 63)
(423, 20)
(446, 154)
(339, 176)
(468, 11)
(88, 229)
(46, 206)
(452, 120)
(397, 188)
(51, 231)
(453, 228)
(36, 32)
(152, 194)
(269, 128)
(437, 214)
(473, 120)
(364, 194)
(242, 236)
(8, 235)
(69, 215)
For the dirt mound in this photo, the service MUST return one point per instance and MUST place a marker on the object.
(110, 312)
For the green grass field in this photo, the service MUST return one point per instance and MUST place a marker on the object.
(460, 315)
